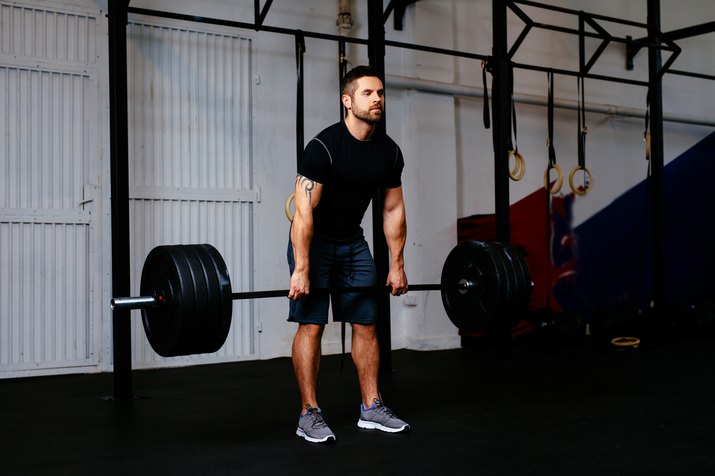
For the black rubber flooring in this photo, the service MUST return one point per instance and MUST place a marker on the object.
(545, 410)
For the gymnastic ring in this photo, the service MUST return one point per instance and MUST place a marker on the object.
(587, 182)
(289, 215)
(626, 342)
(555, 189)
(517, 173)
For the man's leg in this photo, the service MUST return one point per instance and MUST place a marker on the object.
(366, 356)
(374, 415)
(306, 362)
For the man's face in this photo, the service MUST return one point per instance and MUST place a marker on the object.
(368, 101)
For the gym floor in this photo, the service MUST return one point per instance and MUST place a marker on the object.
(544, 410)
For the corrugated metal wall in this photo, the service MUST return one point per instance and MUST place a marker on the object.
(191, 174)
(48, 108)
(190, 165)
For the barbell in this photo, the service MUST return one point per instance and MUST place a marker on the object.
(186, 300)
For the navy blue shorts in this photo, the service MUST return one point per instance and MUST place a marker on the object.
(336, 264)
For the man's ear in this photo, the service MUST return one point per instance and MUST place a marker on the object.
(347, 102)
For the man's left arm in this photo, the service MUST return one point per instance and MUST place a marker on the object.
(395, 229)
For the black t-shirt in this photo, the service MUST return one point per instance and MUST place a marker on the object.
(350, 171)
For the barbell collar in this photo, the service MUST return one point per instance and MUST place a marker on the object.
(137, 302)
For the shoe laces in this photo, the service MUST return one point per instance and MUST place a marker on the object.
(317, 416)
(380, 407)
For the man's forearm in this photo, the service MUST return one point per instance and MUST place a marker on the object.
(395, 228)
(301, 235)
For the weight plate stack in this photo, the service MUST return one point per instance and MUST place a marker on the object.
(217, 321)
(166, 325)
(520, 277)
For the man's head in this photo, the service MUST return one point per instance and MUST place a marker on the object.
(363, 94)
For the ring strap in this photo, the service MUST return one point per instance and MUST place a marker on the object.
(512, 146)
(550, 119)
(485, 107)
(646, 131)
(582, 129)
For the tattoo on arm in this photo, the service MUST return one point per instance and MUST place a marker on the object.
(307, 185)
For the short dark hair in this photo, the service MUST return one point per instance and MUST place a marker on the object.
(349, 82)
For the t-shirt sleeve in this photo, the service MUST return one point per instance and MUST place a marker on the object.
(394, 180)
(315, 163)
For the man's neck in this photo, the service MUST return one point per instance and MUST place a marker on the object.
(359, 129)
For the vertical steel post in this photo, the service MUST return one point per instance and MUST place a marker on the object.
(376, 56)
(119, 164)
(657, 176)
(501, 133)
(501, 114)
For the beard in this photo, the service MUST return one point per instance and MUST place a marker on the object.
(371, 116)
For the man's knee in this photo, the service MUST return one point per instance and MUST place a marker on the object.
(366, 331)
(310, 331)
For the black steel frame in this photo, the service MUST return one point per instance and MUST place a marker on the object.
(500, 64)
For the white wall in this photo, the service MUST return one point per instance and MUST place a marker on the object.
(448, 152)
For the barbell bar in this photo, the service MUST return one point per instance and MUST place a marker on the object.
(159, 299)
(186, 300)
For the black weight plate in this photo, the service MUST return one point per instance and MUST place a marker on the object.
(164, 324)
(471, 310)
(189, 314)
(198, 340)
(519, 300)
(220, 322)
(518, 261)
(506, 282)
(505, 273)
(213, 302)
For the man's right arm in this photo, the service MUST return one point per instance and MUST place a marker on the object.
(307, 196)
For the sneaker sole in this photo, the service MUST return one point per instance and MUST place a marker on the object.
(303, 434)
(371, 425)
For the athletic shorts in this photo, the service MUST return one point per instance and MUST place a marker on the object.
(336, 264)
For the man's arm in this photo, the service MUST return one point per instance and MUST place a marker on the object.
(307, 196)
(395, 228)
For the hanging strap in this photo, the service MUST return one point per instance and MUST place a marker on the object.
(550, 141)
(299, 121)
(582, 130)
(547, 183)
(550, 119)
(485, 107)
(517, 173)
(342, 69)
(646, 130)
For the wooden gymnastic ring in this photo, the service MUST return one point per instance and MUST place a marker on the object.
(556, 188)
(633, 342)
(587, 183)
(289, 215)
(517, 173)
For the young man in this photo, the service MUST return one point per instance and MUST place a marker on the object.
(342, 168)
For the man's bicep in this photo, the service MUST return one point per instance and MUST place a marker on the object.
(393, 198)
(307, 192)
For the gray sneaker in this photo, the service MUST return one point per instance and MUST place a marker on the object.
(379, 417)
(313, 428)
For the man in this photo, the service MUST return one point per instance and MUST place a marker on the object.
(342, 168)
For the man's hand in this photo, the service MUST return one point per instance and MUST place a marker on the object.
(398, 280)
(299, 285)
